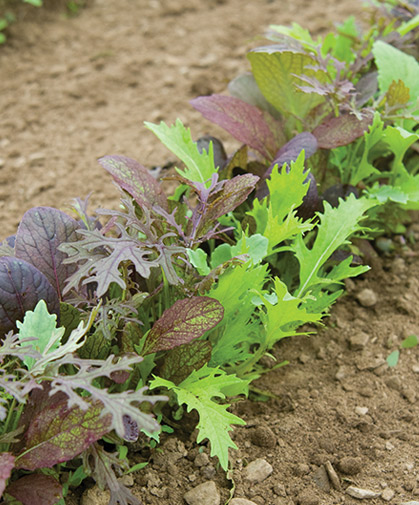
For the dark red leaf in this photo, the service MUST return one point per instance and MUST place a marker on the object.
(36, 489)
(40, 232)
(59, 433)
(136, 180)
(184, 321)
(292, 149)
(247, 123)
(7, 463)
(21, 287)
(342, 130)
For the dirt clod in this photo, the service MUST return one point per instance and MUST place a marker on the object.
(367, 297)
(350, 465)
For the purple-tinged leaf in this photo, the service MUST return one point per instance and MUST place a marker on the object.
(184, 321)
(248, 124)
(7, 463)
(292, 149)
(36, 489)
(366, 88)
(59, 433)
(181, 361)
(131, 429)
(21, 287)
(136, 180)
(233, 192)
(342, 130)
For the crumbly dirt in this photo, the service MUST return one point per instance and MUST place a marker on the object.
(74, 89)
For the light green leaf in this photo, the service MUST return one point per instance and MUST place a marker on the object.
(42, 325)
(393, 65)
(335, 227)
(277, 220)
(198, 392)
(276, 72)
(198, 258)
(393, 358)
(409, 342)
(399, 141)
(199, 166)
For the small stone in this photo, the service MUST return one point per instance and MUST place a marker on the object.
(409, 394)
(387, 494)
(304, 358)
(410, 503)
(398, 266)
(301, 469)
(358, 341)
(208, 472)
(415, 368)
(241, 501)
(201, 459)
(279, 490)
(350, 465)
(321, 478)
(2, 162)
(263, 436)
(361, 411)
(394, 383)
(389, 445)
(367, 297)
(258, 470)
(127, 480)
(307, 497)
(361, 494)
(333, 476)
(204, 494)
(95, 495)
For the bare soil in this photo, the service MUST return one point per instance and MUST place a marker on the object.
(74, 89)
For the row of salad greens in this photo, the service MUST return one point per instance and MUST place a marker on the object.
(113, 323)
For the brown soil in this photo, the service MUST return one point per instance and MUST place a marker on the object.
(74, 89)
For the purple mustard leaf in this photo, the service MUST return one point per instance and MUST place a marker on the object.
(7, 463)
(180, 362)
(21, 287)
(292, 149)
(136, 180)
(36, 489)
(245, 122)
(184, 321)
(40, 232)
(366, 88)
(60, 433)
(131, 429)
(342, 130)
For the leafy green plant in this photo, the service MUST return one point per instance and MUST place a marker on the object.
(409, 342)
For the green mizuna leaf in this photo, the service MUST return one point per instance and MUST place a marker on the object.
(199, 166)
(42, 326)
(335, 227)
(198, 392)
(275, 216)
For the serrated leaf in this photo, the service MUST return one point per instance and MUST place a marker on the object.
(197, 392)
(334, 229)
(21, 287)
(276, 72)
(409, 342)
(181, 361)
(246, 123)
(136, 180)
(59, 433)
(40, 232)
(42, 326)
(199, 165)
(7, 463)
(36, 489)
(184, 321)
(394, 65)
(342, 130)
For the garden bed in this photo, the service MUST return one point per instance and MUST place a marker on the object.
(80, 88)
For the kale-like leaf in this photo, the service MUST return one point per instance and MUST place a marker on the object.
(184, 321)
(40, 232)
(21, 287)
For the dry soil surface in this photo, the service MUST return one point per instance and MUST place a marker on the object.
(74, 89)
